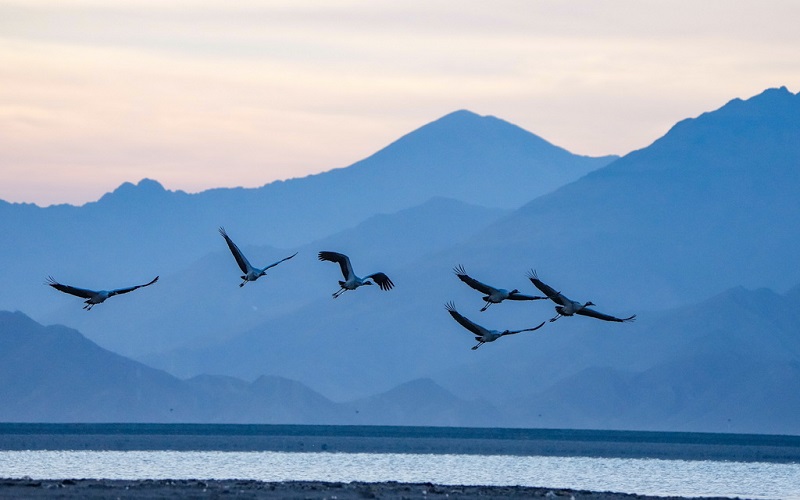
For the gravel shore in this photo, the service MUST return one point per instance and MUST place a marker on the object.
(302, 490)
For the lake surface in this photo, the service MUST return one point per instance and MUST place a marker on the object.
(641, 476)
(628, 462)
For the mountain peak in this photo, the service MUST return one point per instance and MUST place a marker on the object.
(771, 103)
(146, 189)
(460, 114)
(758, 132)
(775, 107)
(463, 123)
(144, 186)
(467, 136)
(16, 320)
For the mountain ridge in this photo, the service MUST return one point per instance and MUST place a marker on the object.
(50, 374)
(149, 228)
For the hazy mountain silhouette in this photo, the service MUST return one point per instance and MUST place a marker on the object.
(141, 229)
(630, 240)
(711, 205)
(724, 364)
(54, 374)
(727, 364)
(423, 402)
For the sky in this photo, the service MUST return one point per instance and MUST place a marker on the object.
(213, 93)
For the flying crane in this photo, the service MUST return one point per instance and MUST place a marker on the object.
(250, 273)
(493, 295)
(351, 281)
(93, 297)
(567, 307)
(483, 335)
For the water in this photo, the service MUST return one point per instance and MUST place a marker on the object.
(647, 463)
(641, 476)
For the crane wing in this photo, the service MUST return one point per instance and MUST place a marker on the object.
(512, 332)
(382, 280)
(605, 317)
(469, 325)
(276, 263)
(343, 261)
(120, 291)
(241, 260)
(472, 282)
(546, 289)
(78, 292)
(522, 296)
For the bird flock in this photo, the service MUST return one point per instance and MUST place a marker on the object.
(564, 306)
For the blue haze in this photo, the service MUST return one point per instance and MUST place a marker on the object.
(695, 233)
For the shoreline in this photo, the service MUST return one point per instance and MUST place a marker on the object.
(379, 440)
(402, 440)
(306, 490)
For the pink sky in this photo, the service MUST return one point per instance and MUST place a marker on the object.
(210, 93)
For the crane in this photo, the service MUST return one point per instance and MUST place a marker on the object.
(567, 307)
(483, 335)
(250, 273)
(351, 281)
(493, 295)
(93, 297)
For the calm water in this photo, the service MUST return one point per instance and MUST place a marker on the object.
(642, 476)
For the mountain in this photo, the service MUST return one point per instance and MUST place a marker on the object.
(706, 392)
(728, 364)
(55, 374)
(495, 163)
(652, 233)
(423, 402)
(143, 229)
(711, 205)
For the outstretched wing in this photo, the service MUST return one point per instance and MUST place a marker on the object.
(472, 282)
(78, 292)
(276, 263)
(381, 279)
(605, 317)
(469, 325)
(342, 259)
(244, 265)
(546, 289)
(522, 296)
(120, 291)
(512, 332)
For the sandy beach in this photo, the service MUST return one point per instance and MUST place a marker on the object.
(306, 490)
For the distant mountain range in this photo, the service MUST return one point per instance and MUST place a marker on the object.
(724, 365)
(54, 374)
(143, 229)
(627, 242)
(728, 364)
(711, 205)
(696, 234)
